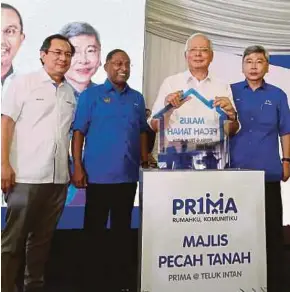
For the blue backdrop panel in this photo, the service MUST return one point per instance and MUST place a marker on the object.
(280, 60)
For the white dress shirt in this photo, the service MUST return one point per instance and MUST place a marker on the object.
(193, 121)
(184, 116)
(43, 114)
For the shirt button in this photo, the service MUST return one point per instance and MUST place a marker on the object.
(252, 118)
(250, 131)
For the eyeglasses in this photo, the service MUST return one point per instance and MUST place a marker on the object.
(58, 54)
(251, 62)
(199, 50)
(121, 64)
(10, 31)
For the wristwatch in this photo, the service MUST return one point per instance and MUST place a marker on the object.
(285, 159)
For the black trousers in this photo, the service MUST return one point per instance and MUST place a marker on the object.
(274, 236)
(109, 254)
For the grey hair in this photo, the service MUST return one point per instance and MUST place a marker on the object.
(256, 49)
(79, 28)
(195, 35)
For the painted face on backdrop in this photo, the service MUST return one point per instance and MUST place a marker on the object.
(198, 54)
(118, 69)
(86, 60)
(57, 59)
(255, 66)
(11, 36)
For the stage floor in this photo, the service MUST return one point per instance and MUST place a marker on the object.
(63, 272)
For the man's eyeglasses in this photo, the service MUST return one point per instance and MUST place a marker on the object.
(251, 62)
(58, 54)
(199, 50)
(10, 31)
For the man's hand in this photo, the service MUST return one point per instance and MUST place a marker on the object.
(286, 170)
(79, 177)
(145, 164)
(175, 99)
(7, 178)
(225, 104)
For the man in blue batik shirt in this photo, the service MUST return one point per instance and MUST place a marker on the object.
(84, 64)
(111, 119)
(264, 115)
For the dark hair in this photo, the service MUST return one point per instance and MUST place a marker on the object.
(112, 53)
(256, 49)
(47, 43)
(73, 29)
(8, 6)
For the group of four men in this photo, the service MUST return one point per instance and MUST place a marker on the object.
(37, 113)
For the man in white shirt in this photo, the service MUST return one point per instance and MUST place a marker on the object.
(37, 113)
(194, 122)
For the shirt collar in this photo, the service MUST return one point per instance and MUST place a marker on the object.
(189, 77)
(44, 77)
(10, 72)
(77, 93)
(246, 84)
(109, 86)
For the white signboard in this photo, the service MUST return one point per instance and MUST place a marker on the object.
(203, 231)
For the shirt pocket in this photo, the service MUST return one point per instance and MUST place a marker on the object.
(246, 111)
(68, 106)
(106, 110)
(134, 115)
(268, 115)
(37, 107)
(67, 112)
(240, 106)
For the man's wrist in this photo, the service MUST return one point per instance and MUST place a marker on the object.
(77, 163)
(233, 117)
(5, 163)
(144, 164)
(169, 113)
